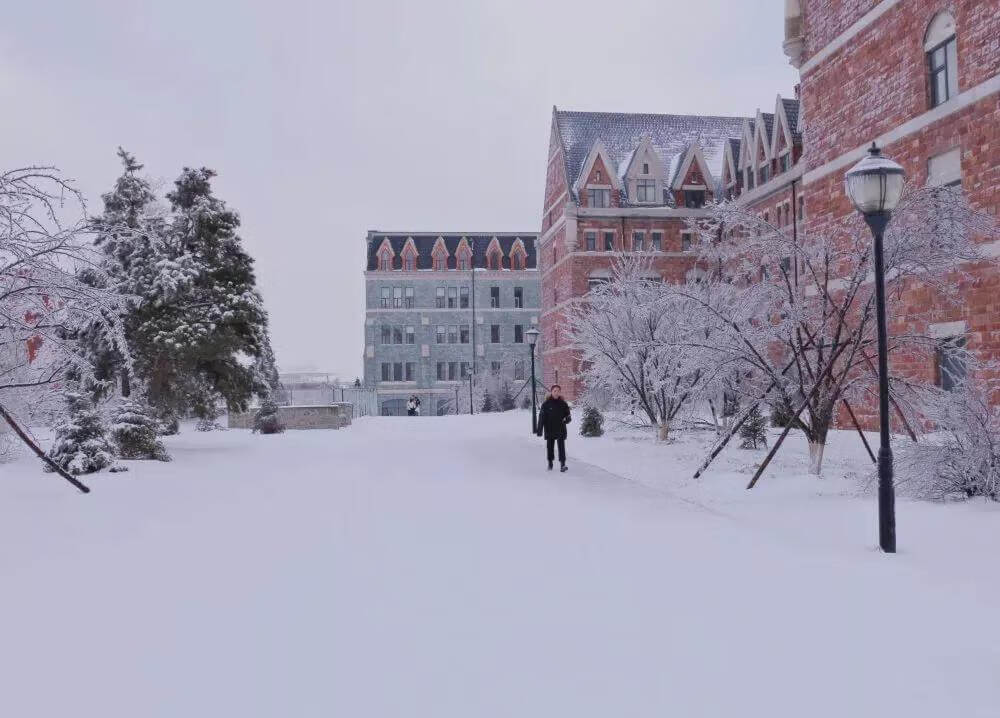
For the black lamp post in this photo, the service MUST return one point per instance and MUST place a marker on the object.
(532, 340)
(874, 185)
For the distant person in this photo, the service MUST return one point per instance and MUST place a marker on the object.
(416, 406)
(411, 407)
(552, 420)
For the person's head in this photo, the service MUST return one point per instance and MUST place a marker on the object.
(555, 391)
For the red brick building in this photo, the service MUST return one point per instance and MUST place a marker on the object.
(919, 77)
(922, 79)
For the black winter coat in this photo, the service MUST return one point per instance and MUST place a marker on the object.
(553, 417)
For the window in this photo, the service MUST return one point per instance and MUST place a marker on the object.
(495, 297)
(590, 241)
(452, 297)
(397, 335)
(408, 298)
(451, 370)
(694, 198)
(386, 371)
(411, 371)
(442, 370)
(518, 334)
(411, 337)
(453, 334)
(440, 262)
(645, 190)
(950, 363)
(465, 369)
(638, 240)
(645, 168)
(656, 243)
(495, 368)
(386, 298)
(685, 241)
(440, 334)
(750, 178)
(518, 297)
(463, 262)
(785, 161)
(439, 298)
(409, 263)
(942, 59)
(764, 173)
(493, 261)
(596, 280)
(494, 333)
(386, 334)
(598, 197)
(516, 261)
(463, 334)
(397, 297)
(519, 369)
(802, 208)
(463, 298)
(609, 241)
(945, 169)
(397, 371)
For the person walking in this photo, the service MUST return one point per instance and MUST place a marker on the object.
(552, 421)
(411, 407)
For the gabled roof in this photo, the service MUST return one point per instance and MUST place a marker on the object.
(792, 113)
(424, 243)
(620, 133)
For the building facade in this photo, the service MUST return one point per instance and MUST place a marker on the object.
(921, 78)
(441, 308)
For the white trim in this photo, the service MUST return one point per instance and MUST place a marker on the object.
(847, 35)
(773, 185)
(955, 104)
(694, 153)
(597, 150)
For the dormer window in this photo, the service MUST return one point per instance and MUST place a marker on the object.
(517, 261)
(765, 173)
(597, 197)
(385, 260)
(409, 263)
(694, 198)
(598, 175)
(645, 190)
(645, 168)
(493, 260)
(440, 263)
(785, 161)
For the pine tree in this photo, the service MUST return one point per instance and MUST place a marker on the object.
(488, 404)
(593, 422)
(267, 420)
(134, 431)
(754, 430)
(81, 445)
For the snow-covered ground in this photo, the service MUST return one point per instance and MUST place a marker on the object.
(431, 567)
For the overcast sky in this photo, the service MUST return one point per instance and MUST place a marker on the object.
(327, 118)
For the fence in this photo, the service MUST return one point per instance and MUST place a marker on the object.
(361, 398)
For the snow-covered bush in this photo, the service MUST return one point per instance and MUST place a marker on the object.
(506, 399)
(81, 445)
(754, 430)
(489, 404)
(167, 423)
(962, 459)
(134, 431)
(267, 420)
(593, 422)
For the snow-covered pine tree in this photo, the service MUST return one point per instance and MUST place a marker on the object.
(754, 430)
(593, 422)
(506, 400)
(267, 420)
(488, 404)
(81, 445)
(134, 431)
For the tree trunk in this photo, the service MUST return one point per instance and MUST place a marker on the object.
(816, 449)
(664, 431)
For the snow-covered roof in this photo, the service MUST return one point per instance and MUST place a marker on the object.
(424, 243)
(621, 133)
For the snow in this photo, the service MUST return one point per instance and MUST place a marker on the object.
(431, 567)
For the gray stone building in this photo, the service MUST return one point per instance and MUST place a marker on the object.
(441, 307)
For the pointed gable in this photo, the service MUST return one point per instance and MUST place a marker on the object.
(747, 145)
(518, 255)
(439, 254)
(385, 255)
(597, 169)
(494, 254)
(693, 171)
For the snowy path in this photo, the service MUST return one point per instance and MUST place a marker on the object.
(431, 568)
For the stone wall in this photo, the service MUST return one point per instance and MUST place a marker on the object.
(333, 416)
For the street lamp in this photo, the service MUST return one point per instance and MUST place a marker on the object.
(532, 340)
(874, 185)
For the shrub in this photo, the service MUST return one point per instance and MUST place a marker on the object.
(134, 429)
(593, 422)
(754, 430)
(267, 420)
(81, 445)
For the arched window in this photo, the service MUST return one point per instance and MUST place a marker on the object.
(493, 260)
(384, 261)
(942, 58)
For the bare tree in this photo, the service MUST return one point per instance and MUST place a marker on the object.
(810, 341)
(44, 246)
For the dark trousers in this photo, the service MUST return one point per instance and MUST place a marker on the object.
(550, 449)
